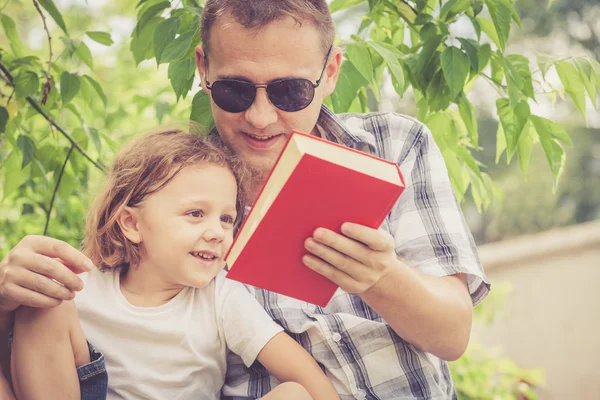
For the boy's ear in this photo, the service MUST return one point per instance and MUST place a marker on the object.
(128, 222)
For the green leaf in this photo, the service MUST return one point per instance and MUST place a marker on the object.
(349, 81)
(552, 128)
(181, 75)
(573, 85)
(373, 4)
(467, 113)
(501, 16)
(201, 111)
(162, 108)
(596, 68)
(150, 13)
(27, 149)
(27, 83)
(70, 45)
(586, 74)
(359, 55)
(141, 42)
(438, 93)
(544, 63)
(455, 65)
(54, 13)
(428, 51)
(554, 151)
(518, 71)
(484, 54)
(497, 69)
(467, 158)
(177, 48)
(525, 146)
(10, 28)
(391, 55)
(476, 27)
(164, 34)
(500, 142)
(458, 176)
(15, 176)
(453, 7)
(69, 86)
(337, 5)
(97, 88)
(85, 55)
(489, 29)
(470, 47)
(3, 119)
(100, 37)
(513, 120)
(94, 136)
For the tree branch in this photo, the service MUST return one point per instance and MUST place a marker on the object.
(48, 84)
(37, 107)
(60, 175)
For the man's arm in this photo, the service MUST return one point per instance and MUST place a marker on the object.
(6, 324)
(424, 298)
(432, 313)
(289, 362)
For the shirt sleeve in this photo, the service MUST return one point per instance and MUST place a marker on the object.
(428, 226)
(246, 326)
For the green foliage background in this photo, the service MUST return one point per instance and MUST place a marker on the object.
(77, 81)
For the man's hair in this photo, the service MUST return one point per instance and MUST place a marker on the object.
(141, 169)
(256, 14)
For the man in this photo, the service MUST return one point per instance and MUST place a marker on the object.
(407, 290)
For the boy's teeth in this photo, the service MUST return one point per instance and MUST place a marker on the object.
(205, 256)
(261, 137)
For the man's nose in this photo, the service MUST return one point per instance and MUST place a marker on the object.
(261, 113)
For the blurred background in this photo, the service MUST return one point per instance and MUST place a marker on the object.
(536, 336)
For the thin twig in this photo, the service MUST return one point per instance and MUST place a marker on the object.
(10, 97)
(39, 109)
(60, 175)
(48, 84)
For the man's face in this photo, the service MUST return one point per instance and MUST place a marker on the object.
(283, 49)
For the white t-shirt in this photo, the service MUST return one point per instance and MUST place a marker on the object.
(177, 350)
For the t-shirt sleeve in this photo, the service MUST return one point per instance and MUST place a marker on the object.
(246, 326)
(427, 223)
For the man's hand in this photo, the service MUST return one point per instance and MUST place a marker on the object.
(40, 272)
(356, 260)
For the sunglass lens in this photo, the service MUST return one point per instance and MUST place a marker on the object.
(291, 94)
(233, 96)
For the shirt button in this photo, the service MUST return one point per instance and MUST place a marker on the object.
(336, 337)
(361, 394)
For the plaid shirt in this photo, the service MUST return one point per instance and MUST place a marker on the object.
(361, 354)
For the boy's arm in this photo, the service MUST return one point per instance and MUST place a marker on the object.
(289, 362)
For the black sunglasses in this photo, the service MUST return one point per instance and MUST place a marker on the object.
(291, 94)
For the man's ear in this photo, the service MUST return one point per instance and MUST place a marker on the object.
(332, 71)
(201, 65)
(128, 221)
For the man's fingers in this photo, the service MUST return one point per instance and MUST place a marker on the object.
(375, 239)
(54, 248)
(30, 298)
(43, 285)
(54, 269)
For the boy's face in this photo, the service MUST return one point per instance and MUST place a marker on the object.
(283, 49)
(186, 227)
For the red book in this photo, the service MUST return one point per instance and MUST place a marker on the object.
(314, 183)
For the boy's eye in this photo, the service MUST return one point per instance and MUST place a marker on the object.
(228, 219)
(195, 213)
